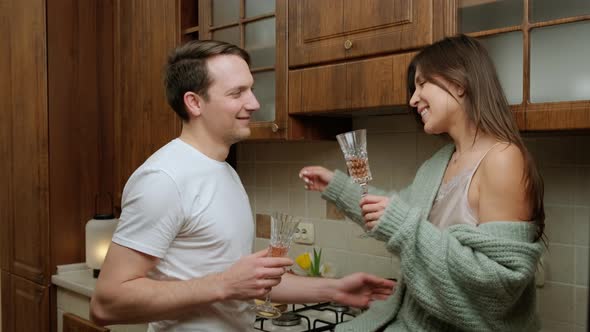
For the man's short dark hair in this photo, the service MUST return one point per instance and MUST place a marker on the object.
(186, 70)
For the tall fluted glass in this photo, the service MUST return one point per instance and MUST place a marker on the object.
(354, 147)
(282, 229)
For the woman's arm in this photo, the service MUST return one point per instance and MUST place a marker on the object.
(346, 195)
(502, 190)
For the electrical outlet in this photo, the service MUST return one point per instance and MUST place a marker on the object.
(304, 233)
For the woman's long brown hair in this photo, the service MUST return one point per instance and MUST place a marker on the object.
(463, 61)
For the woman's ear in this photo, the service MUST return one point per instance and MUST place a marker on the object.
(460, 91)
(193, 103)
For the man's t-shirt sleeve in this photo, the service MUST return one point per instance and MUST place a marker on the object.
(151, 214)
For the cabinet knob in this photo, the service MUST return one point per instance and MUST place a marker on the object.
(348, 44)
(274, 127)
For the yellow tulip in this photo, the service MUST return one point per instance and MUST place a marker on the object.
(303, 261)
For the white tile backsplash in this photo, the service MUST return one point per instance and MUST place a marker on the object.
(559, 184)
(582, 226)
(316, 207)
(556, 303)
(556, 151)
(297, 204)
(262, 199)
(581, 305)
(582, 186)
(333, 234)
(581, 266)
(559, 260)
(559, 220)
(397, 146)
(263, 175)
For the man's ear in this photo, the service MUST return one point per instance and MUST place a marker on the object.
(193, 103)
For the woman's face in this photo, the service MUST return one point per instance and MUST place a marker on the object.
(438, 109)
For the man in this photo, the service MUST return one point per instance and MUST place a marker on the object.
(181, 255)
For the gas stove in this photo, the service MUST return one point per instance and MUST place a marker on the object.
(307, 318)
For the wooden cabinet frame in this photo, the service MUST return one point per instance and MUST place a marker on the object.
(542, 116)
(276, 129)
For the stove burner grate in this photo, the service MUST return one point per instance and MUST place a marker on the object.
(287, 319)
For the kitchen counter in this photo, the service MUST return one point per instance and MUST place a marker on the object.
(75, 286)
(76, 278)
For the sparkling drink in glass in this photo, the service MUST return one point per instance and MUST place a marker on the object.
(354, 147)
(282, 229)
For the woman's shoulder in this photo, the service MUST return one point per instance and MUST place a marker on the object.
(504, 160)
(502, 185)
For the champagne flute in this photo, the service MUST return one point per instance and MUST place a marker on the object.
(354, 147)
(282, 229)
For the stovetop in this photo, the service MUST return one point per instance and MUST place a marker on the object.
(313, 318)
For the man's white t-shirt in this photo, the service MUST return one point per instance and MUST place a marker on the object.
(193, 213)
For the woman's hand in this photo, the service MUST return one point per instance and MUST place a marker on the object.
(372, 207)
(316, 178)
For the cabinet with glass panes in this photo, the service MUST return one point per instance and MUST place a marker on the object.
(260, 27)
(189, 20)
(541, 51)
(250, 24)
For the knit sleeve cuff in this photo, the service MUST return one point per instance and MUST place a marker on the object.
(340, 184)
(392, 219)
(346, 196)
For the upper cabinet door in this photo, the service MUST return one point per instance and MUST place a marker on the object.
(259, 27)
(527, 41)
(328, 30)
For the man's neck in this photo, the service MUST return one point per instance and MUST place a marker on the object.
(201, 140)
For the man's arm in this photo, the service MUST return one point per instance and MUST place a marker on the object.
(124, 294)
(356, 290)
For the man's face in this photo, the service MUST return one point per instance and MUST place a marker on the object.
(226, 114)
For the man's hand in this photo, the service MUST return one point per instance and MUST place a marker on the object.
(253, 276)
(372, 207)
(359, 289)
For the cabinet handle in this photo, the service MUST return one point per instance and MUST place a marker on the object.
(274, 127)
(348, 44)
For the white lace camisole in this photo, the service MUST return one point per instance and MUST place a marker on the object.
(451, 206)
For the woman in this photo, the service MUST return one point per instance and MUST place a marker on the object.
(468, 229)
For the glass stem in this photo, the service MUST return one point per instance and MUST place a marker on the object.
(267, 300)
(364, 192)
(364, 189)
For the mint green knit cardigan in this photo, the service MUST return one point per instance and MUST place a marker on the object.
(463, 278)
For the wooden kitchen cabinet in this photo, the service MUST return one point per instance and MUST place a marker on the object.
(538, 35)
(50, 172)
(259, 27)
(54, 92)
(351, 57)
(145, 31)
(25, 305)
(357, 85)
(331, 30)
(47, 123)
(73, 323)
(24, 144)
